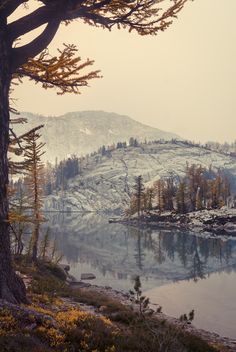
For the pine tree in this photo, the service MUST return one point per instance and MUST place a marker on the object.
(34, 181)
(139, 193)
(169, 193)
(180, 198)
(159, 190)
(149, 198)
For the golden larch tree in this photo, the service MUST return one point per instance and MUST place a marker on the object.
(34, 182)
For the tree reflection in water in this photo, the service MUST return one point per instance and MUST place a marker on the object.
(123, 251)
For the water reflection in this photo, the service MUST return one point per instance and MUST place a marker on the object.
(115, 253)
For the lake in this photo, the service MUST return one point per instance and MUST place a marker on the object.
(180, 270)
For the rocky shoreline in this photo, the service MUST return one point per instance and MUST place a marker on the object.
(124, 298)
(218, 221)
(210, 337)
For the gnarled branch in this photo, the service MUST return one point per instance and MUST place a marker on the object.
(7, 7)
(144, 16)
(21, 55)
(30, 22)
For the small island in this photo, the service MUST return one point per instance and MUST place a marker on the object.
(200, 200)
(217, 221)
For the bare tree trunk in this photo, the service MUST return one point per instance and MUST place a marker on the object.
(35, 236)
(35, 239)
(12, 287)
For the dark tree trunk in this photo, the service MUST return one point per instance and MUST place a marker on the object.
(35, 239)
(12, 287)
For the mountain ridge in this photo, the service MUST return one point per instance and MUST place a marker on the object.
(83, 132)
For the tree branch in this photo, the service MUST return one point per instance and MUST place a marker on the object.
(66, 72)
(21, 55)
(26, 134)
(9, 6)
(144, 16)
(31, 21)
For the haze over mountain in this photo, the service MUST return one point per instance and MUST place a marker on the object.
(84, 132)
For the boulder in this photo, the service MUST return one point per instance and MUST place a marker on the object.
(88, 276)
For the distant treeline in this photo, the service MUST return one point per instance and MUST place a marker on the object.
(225, 149)
(58, 175)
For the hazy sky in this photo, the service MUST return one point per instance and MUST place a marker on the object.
(183, 80)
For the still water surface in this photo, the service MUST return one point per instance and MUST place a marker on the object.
(179, 270)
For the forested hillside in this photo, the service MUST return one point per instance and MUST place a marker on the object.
(105, 180)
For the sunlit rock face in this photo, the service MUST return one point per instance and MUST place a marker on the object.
(106, 181)
(84, 132)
